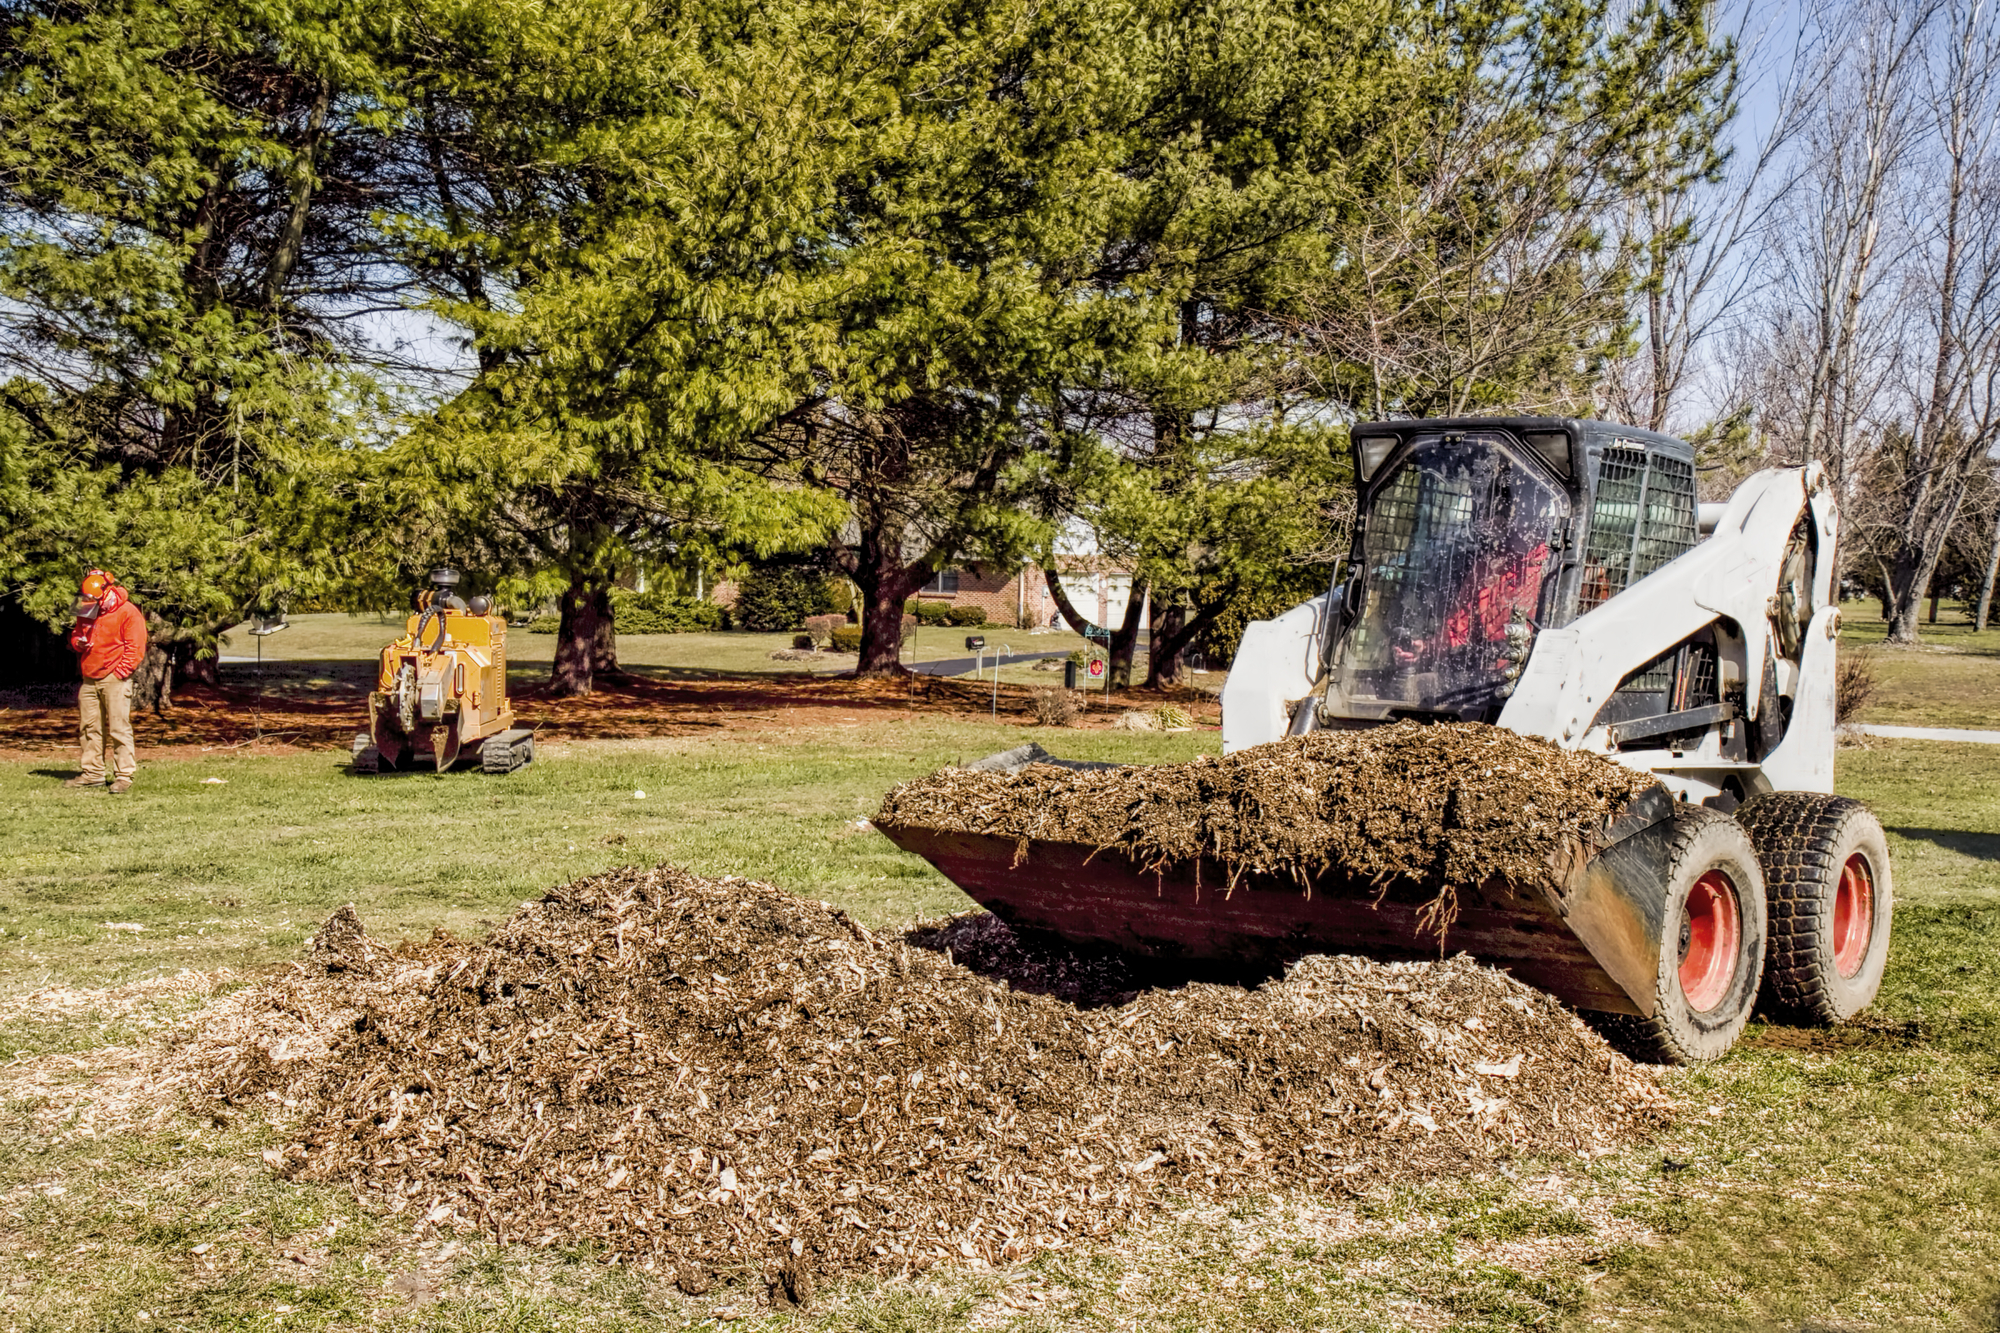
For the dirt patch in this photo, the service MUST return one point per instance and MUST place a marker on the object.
(627, 706)
(719, 1078)
(1440, 806)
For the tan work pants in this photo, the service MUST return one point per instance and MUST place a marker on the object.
(105, 705)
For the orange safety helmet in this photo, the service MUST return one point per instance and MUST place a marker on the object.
(95, 584)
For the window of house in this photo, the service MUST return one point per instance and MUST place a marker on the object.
(945, 581)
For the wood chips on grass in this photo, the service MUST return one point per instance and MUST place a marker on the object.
(722, 1080)
(1443, 806)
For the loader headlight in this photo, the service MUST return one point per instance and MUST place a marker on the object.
(1372, 451)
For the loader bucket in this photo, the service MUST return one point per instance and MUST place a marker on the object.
(1593, 943)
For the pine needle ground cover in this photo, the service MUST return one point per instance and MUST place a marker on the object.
(1835, 1180)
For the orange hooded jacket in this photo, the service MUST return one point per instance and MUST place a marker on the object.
(115, 643)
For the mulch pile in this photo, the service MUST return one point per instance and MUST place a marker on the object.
(1442, 806)
(719, 1079)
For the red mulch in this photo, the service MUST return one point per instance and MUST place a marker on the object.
(207, 718)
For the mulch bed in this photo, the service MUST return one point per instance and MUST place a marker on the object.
(718, 1079)
(629, 706)
(1441, 806)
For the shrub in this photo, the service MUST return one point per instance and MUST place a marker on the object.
(781, 597)
(821, 628)
(847, 639)
(804, 641)
(545, 625)
(661, 613)
(932, 613)
(1854, 684)
(1055, 708)
(967, 615)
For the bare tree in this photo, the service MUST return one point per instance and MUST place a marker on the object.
(1479, 267)
(1857, 146)
(1693, 222)
(1955, 273)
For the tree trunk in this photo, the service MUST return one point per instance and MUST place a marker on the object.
(886, 582)
(1123, 640)
(285, 254)
(192, 666)
(1163, 663)
(1932, 618)
(1172, 637)
(576, 642)
(153, 681)
(604, 643)
(1992, 569)
(1915, 566)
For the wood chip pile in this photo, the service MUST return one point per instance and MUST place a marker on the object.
(718, 1078)
(1445, 805)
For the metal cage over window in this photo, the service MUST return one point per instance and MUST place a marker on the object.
(1643, 515)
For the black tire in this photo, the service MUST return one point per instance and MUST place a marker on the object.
(1714, 894)
(1825, 958)
(367, 759)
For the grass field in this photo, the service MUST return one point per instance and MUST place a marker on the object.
(1951, 679)
(321, 643)
(1826, 1180)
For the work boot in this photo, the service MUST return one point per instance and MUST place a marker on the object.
(84, 780)
(120, 787)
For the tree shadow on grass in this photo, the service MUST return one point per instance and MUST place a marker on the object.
(1979, 846)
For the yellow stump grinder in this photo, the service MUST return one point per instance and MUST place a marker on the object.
(1556, 578)
(441, 691)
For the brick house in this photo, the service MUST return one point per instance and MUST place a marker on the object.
(1017, 596)
(1020, 596)
(1009, 596)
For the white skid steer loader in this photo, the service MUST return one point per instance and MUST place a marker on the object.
(1552, 577)
(1557, 578)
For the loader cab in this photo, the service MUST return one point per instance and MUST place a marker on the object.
(1477, 533)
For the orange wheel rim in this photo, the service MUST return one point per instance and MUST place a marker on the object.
(1711, 937)
(1853, 915)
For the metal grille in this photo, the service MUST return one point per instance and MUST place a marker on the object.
(1410, 520)
(1669, 529)
(1699, 689)
(1418, 509)
(1641, 517)
(1657, 675)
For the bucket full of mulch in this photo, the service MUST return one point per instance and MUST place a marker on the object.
(1405, 841)
(718, 1079)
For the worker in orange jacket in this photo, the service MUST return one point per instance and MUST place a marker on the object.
(110, 640)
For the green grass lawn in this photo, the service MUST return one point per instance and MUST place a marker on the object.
(1827, 1180)
(333, 637)
(1951, 679)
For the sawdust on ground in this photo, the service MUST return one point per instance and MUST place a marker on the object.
(1450, 804)
(722, 1080)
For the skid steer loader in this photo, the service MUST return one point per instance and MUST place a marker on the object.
(1555, 577)
(441, 691)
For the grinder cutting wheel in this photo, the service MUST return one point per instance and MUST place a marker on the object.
(441, 690)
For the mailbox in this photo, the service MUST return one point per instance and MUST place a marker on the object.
(975, 641)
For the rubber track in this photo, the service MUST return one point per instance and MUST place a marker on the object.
(1794, 833)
